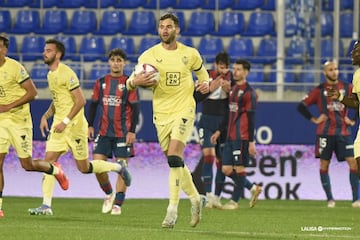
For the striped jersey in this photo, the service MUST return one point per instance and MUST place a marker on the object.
(242, 100)
(333, 109)
(113, 97)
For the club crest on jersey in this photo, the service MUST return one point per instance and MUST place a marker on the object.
(22, 72)
(185, 60)
(121, 86)
(72, 80)
(103, 85)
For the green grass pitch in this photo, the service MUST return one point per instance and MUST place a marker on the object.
(78, 219)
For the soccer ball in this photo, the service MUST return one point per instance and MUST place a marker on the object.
(147, 68)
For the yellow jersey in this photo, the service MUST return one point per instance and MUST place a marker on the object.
(173, 95)
(12, 75)
(356, 84)
(61, 82)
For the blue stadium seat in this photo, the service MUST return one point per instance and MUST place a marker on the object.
(16, 4)
(82, 22)
(260, 24)
(69, 42)
(346, 24)
(71, 4)
(218, 4)
(125, 43)
(92, 48)
(307, 75)
(54, 22)
(99, 70)
(247, 4)
(32, 48)
(5, 20)
(130, 4)
(328, 5)
(26, 21)
(327, 24)
(182, 23)
(327, 52)
(241, 48)
(231, 23)
(347, 57)
(289, 74)
(188, 4)
(103, 3)
(346, 73)
(45, 3)
(129, 68)
(142, 22)
(209, 47)
(269, 5)
(201, 23)
(112, 22)
(13, 48)
(152, 4)
(147, 42)
(186, 40)
(291, 23)
(266, 52)
(298, 51)
(38, 74)
(256, 74)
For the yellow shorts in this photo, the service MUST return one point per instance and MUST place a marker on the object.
(19, 138)
(180, 129)
(74, 138)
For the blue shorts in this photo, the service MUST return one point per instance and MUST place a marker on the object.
(342, 146)
(236, 153)
(112, 146)
(207, 125)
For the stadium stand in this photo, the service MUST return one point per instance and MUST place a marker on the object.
(202, 23)
(112, 22)
(38, 74)
(82, 22)
(260, 24)
(15, 4)
(241, 48)
(43, 4)
(214, 4)
(231, 23)
(186, 40)
(103, 3)
(346, 24)
(26, 21)
(209, 47)
(188, 4)
(246, 4)
(13, 48)
(327, 52)
(152, 4)
(141, 23)
(147, 42)
(54, 22)
(92, 48)
(5, 20)
(125, 43)
(32, 48)
(70, 46)
(266, 52)
(70, 4)
(130, 4)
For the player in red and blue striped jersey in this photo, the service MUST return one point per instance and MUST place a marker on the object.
(239, 144)
(117, 124)
(333, 132)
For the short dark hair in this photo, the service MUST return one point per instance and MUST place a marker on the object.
(5, 39)
(59, 46)
(117, 52)
(245, 63)
(223, 57)
(172, 16)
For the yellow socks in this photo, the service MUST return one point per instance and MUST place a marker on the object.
(175, 178)
(48, 185)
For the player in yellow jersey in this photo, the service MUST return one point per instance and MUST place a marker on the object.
(69, 129)
(16, 91)
(352, 102)
(174, 109)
